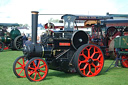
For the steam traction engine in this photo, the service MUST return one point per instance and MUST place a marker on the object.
(12, 40)
(65, 50)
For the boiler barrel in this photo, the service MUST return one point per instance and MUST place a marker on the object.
(14, 33)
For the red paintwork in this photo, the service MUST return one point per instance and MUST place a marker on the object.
(6, 48)
(125, 61)
(64, 44)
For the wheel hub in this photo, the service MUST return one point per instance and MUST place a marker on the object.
(38, 70)
(90, 60)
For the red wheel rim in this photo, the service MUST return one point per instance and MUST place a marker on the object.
(90, 61)
(125, 61)
(20, 67)
(37, 72)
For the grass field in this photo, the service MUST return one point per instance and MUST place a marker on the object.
(115, 76)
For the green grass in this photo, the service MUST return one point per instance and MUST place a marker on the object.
(115, 76)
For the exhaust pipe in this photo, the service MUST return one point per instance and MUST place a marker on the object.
(34, 26)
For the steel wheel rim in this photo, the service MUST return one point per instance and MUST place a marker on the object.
(125, 61)
(90, 61)
(37, 72)
(20, 67)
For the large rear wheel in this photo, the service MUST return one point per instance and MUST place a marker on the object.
(36, 69)
(18, 43)
(89, 60)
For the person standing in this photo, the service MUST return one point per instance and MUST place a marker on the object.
(24, 38)
(28, 42)
(118, 55)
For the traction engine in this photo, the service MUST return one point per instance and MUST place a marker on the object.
(66, 50)
(12, 40)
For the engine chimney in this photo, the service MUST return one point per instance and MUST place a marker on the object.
(34, 49)
(34, 26)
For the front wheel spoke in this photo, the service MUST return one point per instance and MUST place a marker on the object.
(21, 71)
(34, 64)
(19, 68)
(19, 63)
(39, 75)
(31, 72)
(35, 76)
(38, 63)
(31, 68)
(42, 71)
(42, 66)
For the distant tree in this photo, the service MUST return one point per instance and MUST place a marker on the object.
(53, 20)
(24, 25)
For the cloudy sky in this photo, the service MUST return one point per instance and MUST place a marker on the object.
(19, 11)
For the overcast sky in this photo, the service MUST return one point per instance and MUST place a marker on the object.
(19, 11)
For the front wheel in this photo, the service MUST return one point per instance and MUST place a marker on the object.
(89, 60)
(36, 69)
(19, 67)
